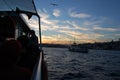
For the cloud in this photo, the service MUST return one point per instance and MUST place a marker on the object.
(76, 14)
(46, 23)
(43, 14)
(74, 34)
(83, 37)
(64, 31)
(33, 23)
(117, 35)
(58, 38)
(76, 26)
(67, 30)
(93, 21)
(106, 29)
(56, 12)
(49, 24)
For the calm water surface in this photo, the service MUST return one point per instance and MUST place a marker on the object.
(95, 65)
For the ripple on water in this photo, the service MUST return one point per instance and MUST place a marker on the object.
(75, 76)
(96, 65)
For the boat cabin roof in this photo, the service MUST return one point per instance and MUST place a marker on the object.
(18, 20)
(26, 6)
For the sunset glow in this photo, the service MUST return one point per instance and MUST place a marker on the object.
(79, 21)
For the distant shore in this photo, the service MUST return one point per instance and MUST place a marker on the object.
(55, 45)
(113, 45)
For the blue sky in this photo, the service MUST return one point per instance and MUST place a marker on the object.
(82, 21)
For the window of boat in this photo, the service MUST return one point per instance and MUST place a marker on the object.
(32, 22)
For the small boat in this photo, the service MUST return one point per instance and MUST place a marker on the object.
(14, 10)
(78, 48)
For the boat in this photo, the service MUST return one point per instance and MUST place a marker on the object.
(14, 9)
(78, 48)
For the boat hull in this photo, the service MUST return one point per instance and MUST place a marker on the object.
(78, 49)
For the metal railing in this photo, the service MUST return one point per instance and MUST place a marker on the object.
(37, 73)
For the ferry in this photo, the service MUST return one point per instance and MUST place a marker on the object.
(78, 48)
(12, 10)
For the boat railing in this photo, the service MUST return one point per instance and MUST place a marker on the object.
(37, 73)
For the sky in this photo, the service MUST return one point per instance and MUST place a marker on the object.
(80, 21)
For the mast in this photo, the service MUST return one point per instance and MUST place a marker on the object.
(40, 32)
(39, 22)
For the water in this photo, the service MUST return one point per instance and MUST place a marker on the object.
(95, 65)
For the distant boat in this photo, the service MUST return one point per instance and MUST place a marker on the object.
(78, 48)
